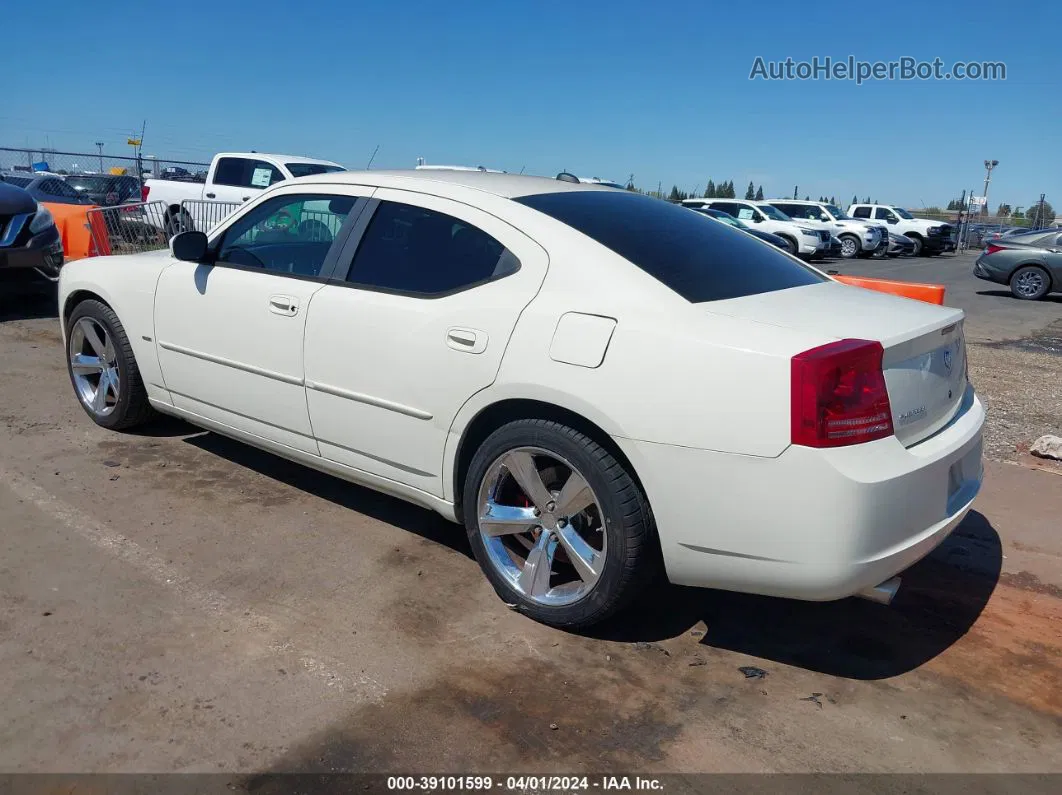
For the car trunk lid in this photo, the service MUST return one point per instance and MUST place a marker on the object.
(925, 354)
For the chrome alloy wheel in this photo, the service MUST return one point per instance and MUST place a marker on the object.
(849, 247)
(542, 526)
(94, 366)
(1030, 283)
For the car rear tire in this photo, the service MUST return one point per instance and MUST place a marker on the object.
(849, 246)
(917, 245)
(1030, 283)
(558, 525)
(102, 368)
(178, 222)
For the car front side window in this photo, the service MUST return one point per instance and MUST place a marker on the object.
(415, 251)
(288, 234)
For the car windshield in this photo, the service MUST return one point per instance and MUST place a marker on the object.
(902, 213)
(308, 169)
(89, 183)
(773, 212)
(18, 182)
(699, 261)
(725, 218)
(837, 213)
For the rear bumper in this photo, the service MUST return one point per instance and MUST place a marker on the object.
(810, 524)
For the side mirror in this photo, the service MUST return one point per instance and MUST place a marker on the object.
(189, 246)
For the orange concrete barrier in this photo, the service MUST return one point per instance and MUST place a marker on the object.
(930, 293)
(72, 222)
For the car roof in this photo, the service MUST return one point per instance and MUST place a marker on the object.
(283, 158)
(791, 201)
(509, 186)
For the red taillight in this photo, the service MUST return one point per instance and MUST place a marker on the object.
(993, 248)
(144, 191)
(839, 395)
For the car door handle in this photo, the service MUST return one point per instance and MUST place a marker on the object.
(466, 340)
(283, 305)
(211, 195)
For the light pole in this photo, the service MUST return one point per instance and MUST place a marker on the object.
(99, 145)
(989, 165)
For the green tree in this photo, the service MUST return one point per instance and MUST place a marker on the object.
(1003, 210)
(759, 193)
(709, 191)
(675, 195)
(750, 191)
(833, 200)
(807, 198)
(1041, 216)
(855, 200)
(730, 192)
(630, 187)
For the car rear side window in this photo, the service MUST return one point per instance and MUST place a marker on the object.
(416, 251)
(861, 212)
(241, 172)
(698, 258)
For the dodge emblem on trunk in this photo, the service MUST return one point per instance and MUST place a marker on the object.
(947, 360)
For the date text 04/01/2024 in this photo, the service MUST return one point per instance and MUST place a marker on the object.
(522, 783)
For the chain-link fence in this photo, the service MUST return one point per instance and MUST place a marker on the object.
(15, 160)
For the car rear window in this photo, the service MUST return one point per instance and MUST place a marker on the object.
(697, 257)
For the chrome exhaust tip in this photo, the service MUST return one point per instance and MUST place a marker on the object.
(883, 594)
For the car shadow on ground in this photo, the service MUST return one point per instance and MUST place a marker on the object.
(1053, 298)
(382, 507)
(27, 301)
(939, 600)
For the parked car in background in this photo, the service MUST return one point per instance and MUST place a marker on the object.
(801, 240)
(1031, 264)
(929, 237)
(899, 246)
(45, 188)
(721, 407)
(106, 190)
(233, 177)
(29, 239)
(857, 238)
(730, 220)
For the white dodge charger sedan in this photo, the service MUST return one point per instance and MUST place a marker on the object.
(594, 382)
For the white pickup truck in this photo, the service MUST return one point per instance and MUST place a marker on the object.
(857, 237)
(929, 237)
(233, 178)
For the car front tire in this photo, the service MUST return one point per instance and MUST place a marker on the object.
(558, 525)
(102, 368)
(850, 246)
(917, 245)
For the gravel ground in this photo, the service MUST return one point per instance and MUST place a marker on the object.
(1021, 383)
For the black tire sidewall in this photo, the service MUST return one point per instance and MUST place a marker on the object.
(578, 451)
(918, 246)
(105, 316)
(855, 250)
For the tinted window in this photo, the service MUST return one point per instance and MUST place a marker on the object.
(56, 187)
(882, 214)
(240, 172)
(861, 212)
(413, 250)
(700, 261)
(306, 169)
(20, 182)
(288, 234)
(729, 208)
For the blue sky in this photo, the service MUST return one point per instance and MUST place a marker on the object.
(608, 89)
